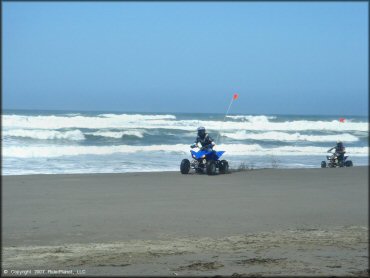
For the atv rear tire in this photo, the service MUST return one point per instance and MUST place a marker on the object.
(224, 167)
(185, 166)
(348, 163)
(211, 168)
(323, 164)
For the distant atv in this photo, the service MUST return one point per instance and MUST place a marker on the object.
(333, 162)
(205, 161)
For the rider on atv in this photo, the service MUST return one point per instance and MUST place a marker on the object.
(206, 159)
(204, 139)
(340, 150)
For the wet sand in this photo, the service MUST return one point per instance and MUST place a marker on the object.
(259, 222)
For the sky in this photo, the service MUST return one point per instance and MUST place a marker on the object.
(280, 57)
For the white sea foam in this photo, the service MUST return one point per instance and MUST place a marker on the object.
(118, 134)
(302, 125)
(74, 135)
(93, 122)
(255, 149)
(282, 136)
(250, 118)
(138, 117)
(127, 121)
(56, 151)
(231, 149)
(30, 156)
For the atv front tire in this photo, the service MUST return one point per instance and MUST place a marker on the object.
(348, 163)
(185, 166)
(211, 168)
(323, 164)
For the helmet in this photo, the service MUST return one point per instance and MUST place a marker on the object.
(201, 131)
(339, 144)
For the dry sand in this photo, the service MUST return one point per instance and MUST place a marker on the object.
(260, 222)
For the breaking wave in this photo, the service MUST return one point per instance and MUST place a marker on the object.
(231, 149)
(74, 135)
(137, 121)
(96, 142)
(251, 118)
(282, 136)
(117, 134)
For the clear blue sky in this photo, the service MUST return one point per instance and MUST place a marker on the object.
(282, 58)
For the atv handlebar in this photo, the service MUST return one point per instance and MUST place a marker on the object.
(202, 148)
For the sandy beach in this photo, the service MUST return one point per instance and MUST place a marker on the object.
(260, 222)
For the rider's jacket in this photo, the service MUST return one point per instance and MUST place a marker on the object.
(206, 141)
(340, 150)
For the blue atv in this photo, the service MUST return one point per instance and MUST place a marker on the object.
(334, 162)
(205, 161)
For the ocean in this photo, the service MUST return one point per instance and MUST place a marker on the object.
(64, 142)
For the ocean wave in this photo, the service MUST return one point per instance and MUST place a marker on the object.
(93, 122)
(231, 149)
(138, 117)
(117, 134)
(137, 121)
(74, 135)
(250, 118)
(302, 125)
(288, 137)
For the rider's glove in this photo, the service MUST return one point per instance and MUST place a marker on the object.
(193, 146)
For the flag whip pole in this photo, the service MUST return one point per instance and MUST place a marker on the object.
(235, 96)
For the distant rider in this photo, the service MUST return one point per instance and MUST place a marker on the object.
(340, 150)
(204, 139)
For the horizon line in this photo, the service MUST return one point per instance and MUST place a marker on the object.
(179, 112)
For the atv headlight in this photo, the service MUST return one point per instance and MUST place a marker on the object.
(203, 156)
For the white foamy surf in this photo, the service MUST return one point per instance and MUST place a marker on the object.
(78, 142)
(126, 121)
(283, 136)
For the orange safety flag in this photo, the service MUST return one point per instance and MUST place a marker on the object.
(235, 96)
(342, 120)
